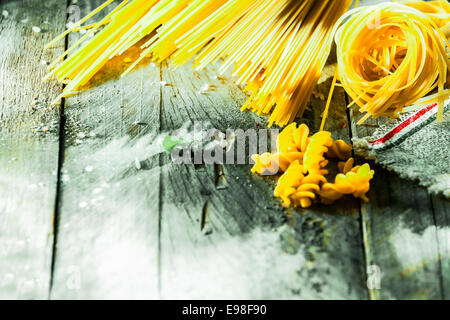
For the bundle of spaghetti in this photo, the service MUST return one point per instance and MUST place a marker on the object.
(438, 11)
(302, 160)
(124, 26)
(278, 48)
(393, 54)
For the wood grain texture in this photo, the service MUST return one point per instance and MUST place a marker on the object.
(108, 223)
(400, 234)
(250, 247)
(401, 238)
(133, 224)
(405, 232)
(29, 132)
(441, 208)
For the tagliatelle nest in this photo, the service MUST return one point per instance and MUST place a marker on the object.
(392, 55)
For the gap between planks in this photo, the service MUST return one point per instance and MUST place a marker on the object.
(61, 150)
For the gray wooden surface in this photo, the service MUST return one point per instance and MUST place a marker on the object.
(29, 145)
(131, 224)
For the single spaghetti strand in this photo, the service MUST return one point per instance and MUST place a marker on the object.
(327, 107)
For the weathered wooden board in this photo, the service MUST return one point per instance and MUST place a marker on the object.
(133, 224)
(29, 135)
(401, 238)
(405, 233)
(107, 243)
(441, 208)
(233, 240)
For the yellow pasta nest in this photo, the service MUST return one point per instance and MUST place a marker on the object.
(392, 55)
(302, 161)
(352, 180)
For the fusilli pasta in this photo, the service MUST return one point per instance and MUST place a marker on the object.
(303, 161)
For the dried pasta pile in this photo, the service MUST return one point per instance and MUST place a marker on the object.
(392, 55)
(389, 56)
(302, 160)
(278, 48)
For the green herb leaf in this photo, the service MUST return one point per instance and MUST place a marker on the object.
(169, 143)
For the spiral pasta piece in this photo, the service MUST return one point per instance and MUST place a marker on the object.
(314, 159)
(345, 167)
(291, 146)
(296, 189)
(391, 55)
(272, 164)
(355, 182)
(293, 139)
(340, 149)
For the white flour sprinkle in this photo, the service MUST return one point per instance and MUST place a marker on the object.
(83, 204)
(137, 164)
(205, 88)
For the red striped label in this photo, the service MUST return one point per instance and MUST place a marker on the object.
(404, 125)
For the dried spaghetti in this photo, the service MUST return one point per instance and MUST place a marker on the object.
(278, 48)
(392, 55)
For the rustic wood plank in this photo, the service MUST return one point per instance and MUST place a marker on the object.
(29, 135)
(219, 224)
(401, 239)
(107, 245)
(400, 233)
(441, 208)
(236, 235)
